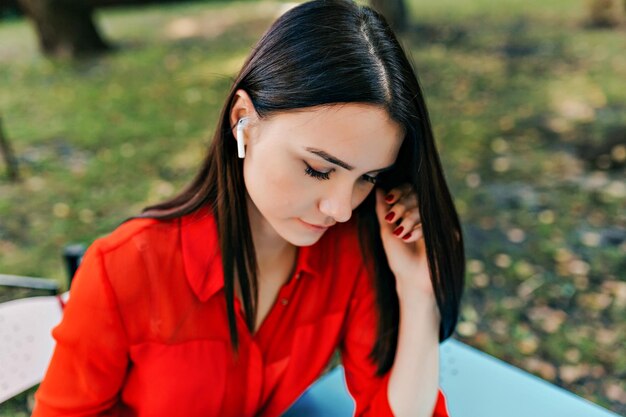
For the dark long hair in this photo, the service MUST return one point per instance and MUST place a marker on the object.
(326, 52)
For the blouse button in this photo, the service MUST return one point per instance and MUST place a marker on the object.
(298, 275)
(284, 301)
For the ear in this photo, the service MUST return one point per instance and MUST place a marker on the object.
(242, 107)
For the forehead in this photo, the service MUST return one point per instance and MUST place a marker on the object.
(363, 134)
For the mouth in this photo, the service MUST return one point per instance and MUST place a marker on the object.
(314, 226)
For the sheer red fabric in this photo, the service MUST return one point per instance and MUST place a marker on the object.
(145, 331)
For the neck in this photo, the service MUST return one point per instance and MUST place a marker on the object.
(272, 251)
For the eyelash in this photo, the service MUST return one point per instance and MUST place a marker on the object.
(326, 175)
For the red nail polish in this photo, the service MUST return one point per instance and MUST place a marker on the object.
(398, 231)
(389, 197)
(407, 236)
(390, 216)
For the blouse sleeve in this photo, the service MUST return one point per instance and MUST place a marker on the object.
(89, 362)
(368, 390)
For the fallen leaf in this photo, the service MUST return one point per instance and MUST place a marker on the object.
(571, 373)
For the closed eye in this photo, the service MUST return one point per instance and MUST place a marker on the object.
(370, 179)
(326, 175)
(316, 174)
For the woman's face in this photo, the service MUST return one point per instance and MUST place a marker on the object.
(306, 170)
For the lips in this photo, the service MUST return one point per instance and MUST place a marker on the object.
(314, 226)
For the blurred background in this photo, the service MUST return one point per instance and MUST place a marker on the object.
(107, 106)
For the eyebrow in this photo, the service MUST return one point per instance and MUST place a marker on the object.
(339, 162)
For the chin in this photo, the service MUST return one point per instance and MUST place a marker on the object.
(302, 239)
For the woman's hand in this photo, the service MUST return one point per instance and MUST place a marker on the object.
(404, 244)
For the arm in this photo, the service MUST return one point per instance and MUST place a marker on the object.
(413, 377)
(417, 357)
(89, 362)
(410, 388)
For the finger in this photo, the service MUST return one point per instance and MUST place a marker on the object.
(398, 211)
(382, 210)
(411, 219)
(400, 199)
(397, 193)
(407, 224)
(391, 243)
(414, 235)
(409, 200)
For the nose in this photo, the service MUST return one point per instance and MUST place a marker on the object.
(337, 204)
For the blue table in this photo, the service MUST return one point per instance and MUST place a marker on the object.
(475, 384)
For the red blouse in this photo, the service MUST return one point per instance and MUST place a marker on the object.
(145, 331)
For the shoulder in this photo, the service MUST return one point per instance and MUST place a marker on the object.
(136, 228)
(134, 251)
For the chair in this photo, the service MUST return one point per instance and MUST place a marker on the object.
(26, 325)
(40, 284)
(27, 343)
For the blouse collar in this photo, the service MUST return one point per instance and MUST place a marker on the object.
(203, 261)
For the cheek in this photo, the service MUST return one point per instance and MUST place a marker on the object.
(360, 194)
(274, 184)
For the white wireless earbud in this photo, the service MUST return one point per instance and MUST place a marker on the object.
(241, 150)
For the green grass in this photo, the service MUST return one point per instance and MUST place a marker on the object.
(528, 109)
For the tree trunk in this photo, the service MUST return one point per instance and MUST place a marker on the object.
(8, 156)
(605, 13)
(65, 27)
(395, 12)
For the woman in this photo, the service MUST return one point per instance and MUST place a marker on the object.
(230, 299)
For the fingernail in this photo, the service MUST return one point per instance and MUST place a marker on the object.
(407, 236)
(390, 216)
(398, 231)
(389, 197)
